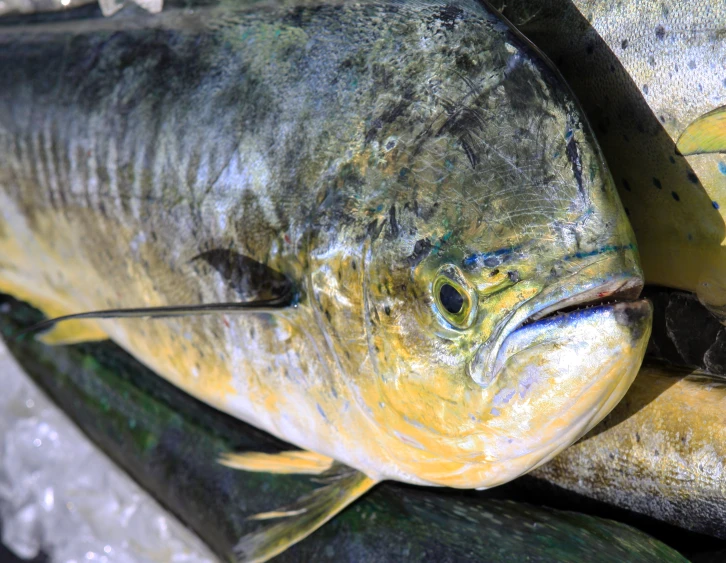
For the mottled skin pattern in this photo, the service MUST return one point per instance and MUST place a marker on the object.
(364, 151)
(644, 70)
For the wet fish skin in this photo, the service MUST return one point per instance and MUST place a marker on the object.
(644, 71)
(365, 164)
(170, 446)
(660, 452)
(685, 333)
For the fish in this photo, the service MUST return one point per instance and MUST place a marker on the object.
(660, 452)
(649, 77)
(383, 232)
(646, 77)
(168, 442)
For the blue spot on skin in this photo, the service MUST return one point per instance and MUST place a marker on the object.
(489, 259)
(568, 135)
(722, 167)
(320, 410)
(715, 204)
(601, 250)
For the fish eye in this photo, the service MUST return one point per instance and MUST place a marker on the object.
(454, 302)
(451, 299)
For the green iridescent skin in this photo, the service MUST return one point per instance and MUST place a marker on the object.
(364, 152)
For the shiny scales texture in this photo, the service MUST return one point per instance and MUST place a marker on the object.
(644, 71)
(361, 163)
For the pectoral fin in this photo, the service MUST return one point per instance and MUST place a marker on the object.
(342, 485)
(297, 461)
(707, 134)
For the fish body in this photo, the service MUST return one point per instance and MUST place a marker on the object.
(644, 71)
(419, 189)
(171, 444)
(660, 452)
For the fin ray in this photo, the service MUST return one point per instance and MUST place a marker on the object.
(297, 521)
(705, 135)
(294, 461)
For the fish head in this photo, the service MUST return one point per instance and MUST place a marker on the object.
(500, 298)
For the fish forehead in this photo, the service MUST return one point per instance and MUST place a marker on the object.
(644, 71)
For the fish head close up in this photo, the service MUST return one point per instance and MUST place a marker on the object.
(499, 284)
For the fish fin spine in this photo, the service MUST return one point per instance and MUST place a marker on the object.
(299, 520)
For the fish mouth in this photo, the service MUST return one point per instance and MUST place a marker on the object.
(597, 393)
(623, 289)
(606, 294)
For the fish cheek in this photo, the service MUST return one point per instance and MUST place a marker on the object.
(423, 391)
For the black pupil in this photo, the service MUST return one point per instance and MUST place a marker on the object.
(451, 299)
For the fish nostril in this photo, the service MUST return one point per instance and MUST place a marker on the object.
(513, 276)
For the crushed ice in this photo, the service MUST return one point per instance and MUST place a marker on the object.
(60, 495)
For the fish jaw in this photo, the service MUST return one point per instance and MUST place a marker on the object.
(560, 376)
(617, 277)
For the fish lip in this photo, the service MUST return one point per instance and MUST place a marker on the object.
(584, 423)
(487, 365)
(608, 292)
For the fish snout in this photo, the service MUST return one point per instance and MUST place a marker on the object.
(603, 282)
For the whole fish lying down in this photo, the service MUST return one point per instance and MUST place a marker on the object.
(650, 76)
(384, 231)
(168, 441)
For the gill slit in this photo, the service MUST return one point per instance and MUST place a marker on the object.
(367, 251)
(317, 315)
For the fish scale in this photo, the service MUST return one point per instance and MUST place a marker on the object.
(644, 71)
(357, 165)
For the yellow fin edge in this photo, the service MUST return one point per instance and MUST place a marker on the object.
(292, 462)
(299, 520)
(705, 135)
